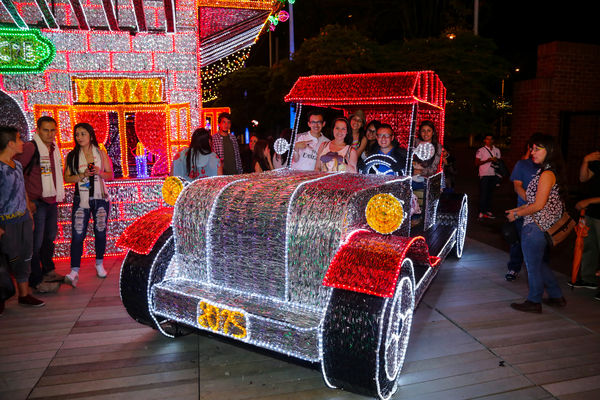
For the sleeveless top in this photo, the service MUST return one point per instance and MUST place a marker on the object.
(334, 161)
(553, 209)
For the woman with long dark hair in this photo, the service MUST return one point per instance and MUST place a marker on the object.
(88, 167)
(261, 156)
(546, 199)
(197, 160)
(357, 124)
(338, 154)
(427, 134)
(371, 135)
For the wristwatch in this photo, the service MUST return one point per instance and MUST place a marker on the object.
(516, 215)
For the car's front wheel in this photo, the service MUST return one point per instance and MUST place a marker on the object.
(364, 337)
(138, 273)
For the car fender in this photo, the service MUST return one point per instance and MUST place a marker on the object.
(143, 233)
(369, 262)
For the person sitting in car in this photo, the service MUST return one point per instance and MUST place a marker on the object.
(338, 155)
(392, 158)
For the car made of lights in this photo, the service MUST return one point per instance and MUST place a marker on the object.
(324, 267)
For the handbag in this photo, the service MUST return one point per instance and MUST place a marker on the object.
(559, 230)
(499, 166)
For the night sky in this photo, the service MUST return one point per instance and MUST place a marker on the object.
(517, 26)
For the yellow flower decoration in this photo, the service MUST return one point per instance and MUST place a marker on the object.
(384, 213)
(171, 189)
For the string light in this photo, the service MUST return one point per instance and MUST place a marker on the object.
(384, 213)
(130, 200)
(215, 233)
(24, 51)
(214, 73)
(143, 233)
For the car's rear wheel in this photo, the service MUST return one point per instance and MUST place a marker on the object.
(453, 210)
(138, 273)
(364, 337)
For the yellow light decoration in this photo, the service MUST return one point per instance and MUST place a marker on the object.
(246, 4)
(124, 90)
(171, 189)
(231, 323)
(139, 149)
(384, 213)
(177, 134)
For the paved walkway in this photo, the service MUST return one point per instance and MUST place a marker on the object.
(466, 342)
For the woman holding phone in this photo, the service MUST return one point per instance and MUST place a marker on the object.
(88, 167)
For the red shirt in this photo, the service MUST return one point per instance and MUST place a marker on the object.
(33, 180)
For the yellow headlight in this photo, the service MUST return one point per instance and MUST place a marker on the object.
(384, 213)
(171, 189)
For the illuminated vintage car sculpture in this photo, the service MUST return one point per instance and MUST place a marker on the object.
(324, 267)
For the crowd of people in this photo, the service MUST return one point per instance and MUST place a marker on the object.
(352, 141)
(31, 186)
(33, 180)
(539, 181)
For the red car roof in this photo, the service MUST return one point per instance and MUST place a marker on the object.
(392, 88)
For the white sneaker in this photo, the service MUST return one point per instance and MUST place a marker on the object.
(100, 271)
(72, 278)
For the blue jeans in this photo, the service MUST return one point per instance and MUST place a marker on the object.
(516, 254)
(80, 218)
(535, 251)
(44, 232)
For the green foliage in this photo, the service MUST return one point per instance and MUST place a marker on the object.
(337, 50)
(470, 69)
(468, 66)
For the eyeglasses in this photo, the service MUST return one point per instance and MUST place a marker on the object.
(384, 136)
(315, 122)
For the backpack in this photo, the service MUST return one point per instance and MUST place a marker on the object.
(35, 159)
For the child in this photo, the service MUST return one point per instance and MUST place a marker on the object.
(16, 235)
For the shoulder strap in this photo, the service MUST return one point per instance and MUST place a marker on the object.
(488, 150)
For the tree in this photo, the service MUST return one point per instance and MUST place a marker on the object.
(336, 50)
(468, 66)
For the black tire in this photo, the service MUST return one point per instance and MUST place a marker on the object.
(138, 273)
(364, 338)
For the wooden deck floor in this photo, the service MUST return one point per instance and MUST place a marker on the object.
(82, 345)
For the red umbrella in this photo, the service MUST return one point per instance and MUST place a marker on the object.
(582, 231)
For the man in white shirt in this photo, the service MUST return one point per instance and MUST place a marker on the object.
(308, 143)
(484, 158)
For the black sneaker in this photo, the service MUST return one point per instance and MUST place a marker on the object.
(579, 283)
(30, 301)
(597, 296)
(511, 275)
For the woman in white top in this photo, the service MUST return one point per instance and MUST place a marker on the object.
(88, 166)
(338, 154)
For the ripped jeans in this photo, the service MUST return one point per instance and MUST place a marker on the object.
(80, 217)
